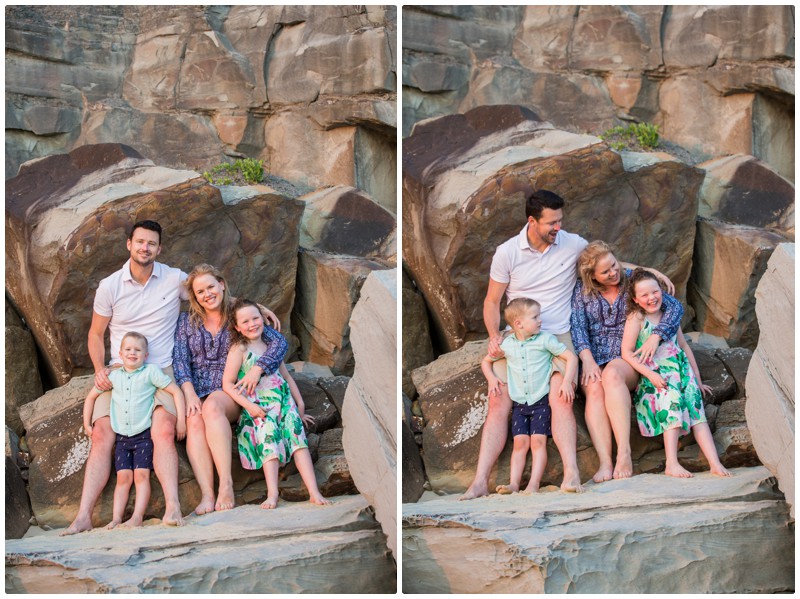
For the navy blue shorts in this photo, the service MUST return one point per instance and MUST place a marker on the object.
(531, 420)
(134, 452)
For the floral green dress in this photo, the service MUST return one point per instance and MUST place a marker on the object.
(680, 403)
(280, 433)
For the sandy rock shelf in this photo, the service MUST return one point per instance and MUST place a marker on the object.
(647, 534)
(298, 548)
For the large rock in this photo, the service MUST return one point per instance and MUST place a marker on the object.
(369, 413)
(729, 261)
(23, 382)
(18, 506)
(66, 226)
(464, 183)
(295, 548)
(417, 347)
(413, 474)
(631, 535)
(770, 406)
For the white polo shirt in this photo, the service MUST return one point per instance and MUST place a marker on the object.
(151, 309)
(548, 277)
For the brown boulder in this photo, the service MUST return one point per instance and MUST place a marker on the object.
(714, 374)
(736, 360)
(66, 220)
(417, 348)
(23, 383)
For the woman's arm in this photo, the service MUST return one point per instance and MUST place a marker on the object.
(232, 365)
(671, 318)
(182, 365)
(632, 327)
(579, 329)
(270, 361)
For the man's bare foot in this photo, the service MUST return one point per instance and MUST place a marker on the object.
(206, 506)
(172, 516)
(113, 524)
(133, 522)
(624, 467)
(721, 471)
(78, 525)
(572, 483)
(318, 499)
(507, 489)
(225, 499)
(678, 471)
(270, 504)
(604, 473)
(475, 490)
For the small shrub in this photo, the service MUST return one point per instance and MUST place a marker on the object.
(635, 137)
(247, 171)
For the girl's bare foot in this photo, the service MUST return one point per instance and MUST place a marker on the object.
(624, 467)
(113, 524)
(133, 522)
(270, 504)
(530, 489)
(604, 473)
(721, 471)
(507, 489)
(206, 506)
(318, 499)
(677, 471)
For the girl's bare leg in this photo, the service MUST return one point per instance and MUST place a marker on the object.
(619, 378)
(121, 494)
(271, 468)
(141, 476)
(538, 462)
(201, 461)
(518, 456)
(599, 429)
(671, 450)
(219, 410)
(704, 438)
(305, 466)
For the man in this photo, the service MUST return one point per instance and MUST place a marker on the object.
(539, 263)
(143, 296)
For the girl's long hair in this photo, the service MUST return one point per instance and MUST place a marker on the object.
(637, 276)
(196, 312)
(587, 262)
(236, 336)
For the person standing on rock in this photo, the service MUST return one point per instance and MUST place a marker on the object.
(539, 262)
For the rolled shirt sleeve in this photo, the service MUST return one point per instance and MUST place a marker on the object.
(671, 319)
(181, 360)
(579, 326)
(277, 347)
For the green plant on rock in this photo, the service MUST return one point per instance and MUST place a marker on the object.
(636, 136)
(247, 171)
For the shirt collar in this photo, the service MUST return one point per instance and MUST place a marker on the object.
(129, 372)
(126, 270)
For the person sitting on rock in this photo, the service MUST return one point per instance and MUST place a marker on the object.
(529, 355)
(270, 427)
(132, 403)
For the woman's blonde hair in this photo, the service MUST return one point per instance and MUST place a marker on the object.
(587, 262)
(196, 311)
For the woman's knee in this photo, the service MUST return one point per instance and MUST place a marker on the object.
(594, 394)
(218, 406)
(195, 427)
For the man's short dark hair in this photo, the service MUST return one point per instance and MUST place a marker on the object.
(150, 225)
(537, 201)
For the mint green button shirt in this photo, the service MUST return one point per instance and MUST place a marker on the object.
(529, 365)
(132, 398)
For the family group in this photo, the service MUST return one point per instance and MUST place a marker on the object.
(176, 375)
(575, 314)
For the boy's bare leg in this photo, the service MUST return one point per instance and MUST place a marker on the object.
(704, 438)
(201, 461)
(565, 435)
(165, 463)
(518, 456)
(95, 477)
(219, 411)
(493, 440)
(141, 476)
(538, 462)
(305, 466)
(671, 452)
(619, 378)
(121, 494)
(271, 474)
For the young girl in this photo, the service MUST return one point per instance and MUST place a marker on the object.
(668, 399)
(270, 428)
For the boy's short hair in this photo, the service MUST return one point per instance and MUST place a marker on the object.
(516, 308)
(134, 335)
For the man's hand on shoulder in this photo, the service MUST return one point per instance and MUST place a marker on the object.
(494, 350)
(101, 380)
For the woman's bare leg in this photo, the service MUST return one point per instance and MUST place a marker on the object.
(219, 410)
(618, 379)
(599, 429)
(201, 461)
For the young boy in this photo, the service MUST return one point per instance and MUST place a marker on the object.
(529, 355)
(132, 403)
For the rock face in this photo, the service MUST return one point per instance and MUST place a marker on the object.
(729, 260)
(23, 382)
(771, 376)
(716, 79)
(370, 409)
(18, 506)
(417, 348)
(294, 549)
(464, 178)
(631, 536)
(310, 90)
(66, 224)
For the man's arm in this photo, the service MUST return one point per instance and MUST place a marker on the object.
(491, 310)
(97, 350)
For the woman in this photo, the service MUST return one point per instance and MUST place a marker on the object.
(597, 323)
(202, 341)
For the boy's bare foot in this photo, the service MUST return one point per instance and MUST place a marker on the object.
(113, 524)
(172, 516)
(225, 499)
(132, 522)
(678, 471)
(270, 504)
(78, 525)
(318, 499)
(604, 473)
(206, 506)
(721, 471)
(624, 467)
(475, 490)
(507, 489)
